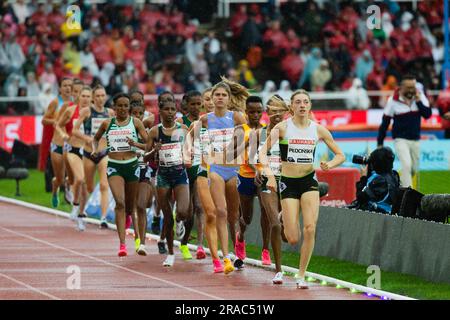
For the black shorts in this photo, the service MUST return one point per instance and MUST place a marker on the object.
(295, 187)
(97, 159)
(75, 151)
(145, 174)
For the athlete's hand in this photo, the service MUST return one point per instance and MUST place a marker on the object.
(324, 166)
(94, 154)
(66, 137)
(131, 142)
(272, 184)
(157, 146)
(258, 179)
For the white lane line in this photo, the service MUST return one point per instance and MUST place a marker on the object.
(112, 264)
(30, 287)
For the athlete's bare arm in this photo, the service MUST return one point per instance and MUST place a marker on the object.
(339, 156)
(76, 132)
(98, 135)
(49, 115)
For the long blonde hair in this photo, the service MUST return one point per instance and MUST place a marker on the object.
(238, 94)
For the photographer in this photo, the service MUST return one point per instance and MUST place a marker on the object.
(379, 183)
(406, 107)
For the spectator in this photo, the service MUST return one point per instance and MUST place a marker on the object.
(107, 73)
(45, 97)
(321, 76)
(33, 90)
(406, 107)
(238, 19)
(364, 66)
(193, 47)
(274, 40)
(152, 57)
(86, 76)
(224, 61)
(87, 59)
(14, 53)
(443, 103)
(388, 88)
(285, 91)
(201, 83)
(48, 76)
(251, 34)
(117, 48)
(357, 96)
(4, 59)
(71, 58)
(137, 56)
(246, 77)
(292, 65)
(21, 107)
(21, 11)
(268, 91)
(214, 43)
(200, 67)
(312, 63)
(375, 83)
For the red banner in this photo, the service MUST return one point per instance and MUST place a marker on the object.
(21, 127)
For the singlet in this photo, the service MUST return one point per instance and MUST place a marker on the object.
(299, 145)
(116, 136)
(220, 130)
(171, 154)
(73, 119)
(273, 155)
(94, 121)
(245, 170)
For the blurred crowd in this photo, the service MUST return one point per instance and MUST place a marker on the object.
(154, 48)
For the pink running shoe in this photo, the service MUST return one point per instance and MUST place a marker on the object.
(218, 268)
(239, 248)
(265, 257)
(122, 250)
(200, 253)
(128, 222)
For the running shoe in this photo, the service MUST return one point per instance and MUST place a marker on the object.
(180, 230)
(265, 257)
(103, 223)
(128, 222)
(228, 267)
(122, 250)
(156, 225)
(302, 284)
(278, 279)
(74, 213)
(68, 194)
(218, 268)
(80, 224)
(170, 260)
(185, 252)
(142, 251)
(283, 236)
(239, 247)
(162, 247)
(55, 200)
(200, 253)
(238, 264)
(137, 244)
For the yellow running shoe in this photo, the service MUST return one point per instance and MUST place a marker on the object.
(228, 266)
(185, 252)
(137, 244)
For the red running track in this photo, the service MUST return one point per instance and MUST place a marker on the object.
(38, 248)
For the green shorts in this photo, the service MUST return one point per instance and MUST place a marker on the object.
(192, 173)
(170, 181)
(127, 169)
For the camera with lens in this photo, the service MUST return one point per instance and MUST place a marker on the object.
(357, 159)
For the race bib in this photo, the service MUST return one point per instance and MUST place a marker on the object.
(275, 164)
(170, 155)
(117, 140)
(301, 151)
(220, 138)
(95, 125)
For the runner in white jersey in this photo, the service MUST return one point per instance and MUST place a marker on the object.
(298, 137)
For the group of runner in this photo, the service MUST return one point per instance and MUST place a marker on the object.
(206, 165)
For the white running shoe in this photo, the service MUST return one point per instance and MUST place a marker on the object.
(80, 224)
(278, 279)
(169, 260)
(302, 284)
(74, 213)
(180, 230)
(142, 251)
(103, 223)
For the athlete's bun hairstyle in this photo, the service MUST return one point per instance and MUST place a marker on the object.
(277, 103)
(161, 102)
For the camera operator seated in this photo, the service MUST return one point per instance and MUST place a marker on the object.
(379, 183)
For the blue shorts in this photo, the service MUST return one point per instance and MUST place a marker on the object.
(227, 173)
(170, 181)
(246, 186)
